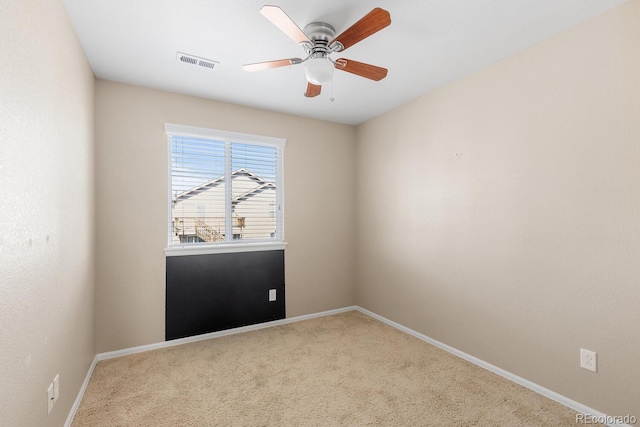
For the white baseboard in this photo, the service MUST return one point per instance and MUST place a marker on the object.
(76, 404)
(171, 343)
(576, 406)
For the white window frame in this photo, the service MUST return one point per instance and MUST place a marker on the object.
(233, 246)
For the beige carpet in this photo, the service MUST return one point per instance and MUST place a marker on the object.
(341, 370)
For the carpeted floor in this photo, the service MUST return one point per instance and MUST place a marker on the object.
(341, 370)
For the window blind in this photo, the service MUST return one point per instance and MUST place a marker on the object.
(223, 188)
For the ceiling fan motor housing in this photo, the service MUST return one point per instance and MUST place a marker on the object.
(320, 34)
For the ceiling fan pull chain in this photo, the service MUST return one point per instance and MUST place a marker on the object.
(331, 99)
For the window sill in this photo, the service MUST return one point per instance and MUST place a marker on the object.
(223, 249)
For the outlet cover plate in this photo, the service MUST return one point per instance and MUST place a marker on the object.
(272, 294)
(56, 388)
(50, 398)
(588, 360)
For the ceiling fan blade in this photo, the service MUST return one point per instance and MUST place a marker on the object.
(312, 90)
(282, 21)
(371, 23)
(361, 69)
(259, 66)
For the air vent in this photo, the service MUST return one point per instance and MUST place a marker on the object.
(194, 60)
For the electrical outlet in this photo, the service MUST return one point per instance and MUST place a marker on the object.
(56, 388)
(588, 360)
(50, 398)
(272, 294)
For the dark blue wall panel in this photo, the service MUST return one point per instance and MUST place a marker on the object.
(208, 293)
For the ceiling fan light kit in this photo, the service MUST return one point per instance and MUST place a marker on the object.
(318, 71)
(319, 41)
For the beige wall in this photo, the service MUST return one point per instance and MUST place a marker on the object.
(131, 206)
(501, 214)
(46, 212)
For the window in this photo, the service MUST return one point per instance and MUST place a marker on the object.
(225, 188)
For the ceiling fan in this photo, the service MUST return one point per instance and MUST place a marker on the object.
(319, 41)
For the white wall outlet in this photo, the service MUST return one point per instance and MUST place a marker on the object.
(272, 294)
(50, 398)
(56, 388)
(588, 360)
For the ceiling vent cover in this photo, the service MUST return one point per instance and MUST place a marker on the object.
(194, 60)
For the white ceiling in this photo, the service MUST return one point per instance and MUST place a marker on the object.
(428, 44)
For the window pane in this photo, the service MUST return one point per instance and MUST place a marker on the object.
(253, 191)
(197, 190)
